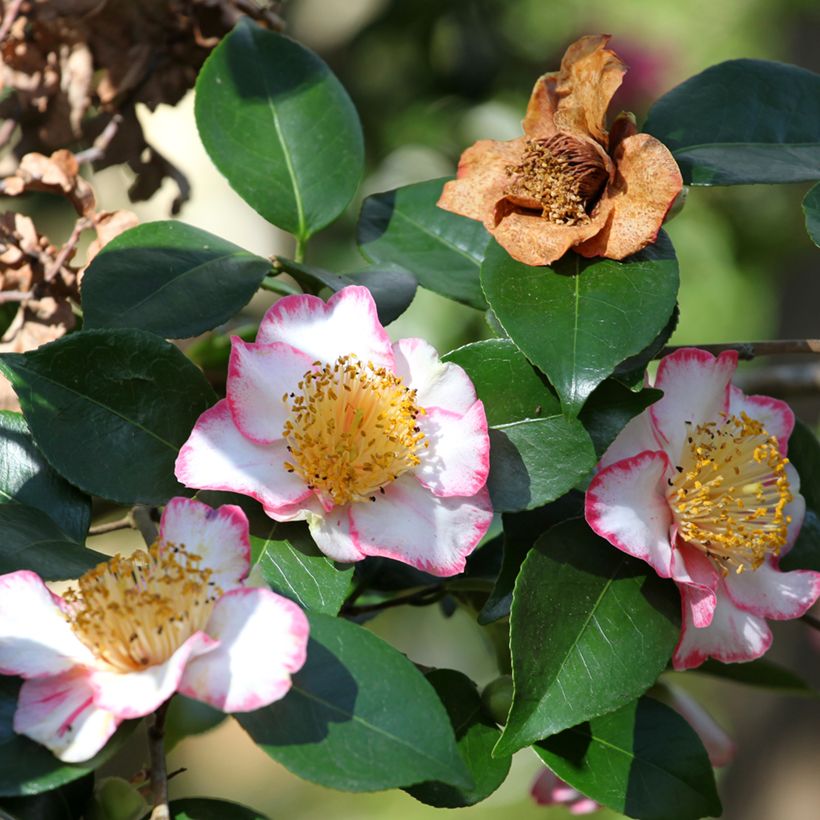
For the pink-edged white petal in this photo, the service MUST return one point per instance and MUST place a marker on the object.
(219, 536)
(35, 637)
(775, 415)
(694, 569)
(59, 712)
(259, 376)
(437, 383)
(695, 388)
(770, 593)
(795, 510)
(331, 532)
(733, 635)
(638, 435)
(409, 524)
(135, 694)
(347, 324)
(262, 642)
(457, 458)
(626, 504)
(218, 457)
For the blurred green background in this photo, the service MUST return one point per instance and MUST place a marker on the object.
(429, 78)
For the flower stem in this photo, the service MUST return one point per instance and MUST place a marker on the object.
(159, 772)
(750, 350)
(127, 522)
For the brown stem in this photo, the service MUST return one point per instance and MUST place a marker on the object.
(67, 249)
(813, 622)
(749, 350)
(97, 150)
(12, 10)
(127, 522)
(159, 772)
(15, 296)
(421, 597)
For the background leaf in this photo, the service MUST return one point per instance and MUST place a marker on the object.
(360, 717)
(760, 672)
(25, 477)
(804, 454)
(258, 97)
(67, 802)
(643, 760)
(170, 278)
(741, 122)
(110, 409)
(811, 209)
(580, 319)
(590, 629)
(442, 250)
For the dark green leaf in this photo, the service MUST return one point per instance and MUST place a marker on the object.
(279, 125)
(580, 319)
(805, 554)
(476, 735)
(510, 387)
(643, 760)
(295, 568)
(110, 409)
(804, 453)
(26, 767)
(442, 250)
(67, 802)
(590, 629)
(742, 121)
(536, 461)
(31, 540)
(210, 808)
(25, 477)
(760, 672)
(170, 278)
(360, 717)
(811, 208)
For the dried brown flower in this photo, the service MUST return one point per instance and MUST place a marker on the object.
(568, 183)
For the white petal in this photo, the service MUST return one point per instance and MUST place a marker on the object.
(795, 510)
(262, 641)
(695, 388)
(218, 457)
(638, 435)
(457, 459)
(437, 383)
(775, 415)
(409, 524)
(331, 532)
(219, 536)
(60, 713)
(770, 593)
(35, 637)
(258, 378)
(347, 324)
(694, 569)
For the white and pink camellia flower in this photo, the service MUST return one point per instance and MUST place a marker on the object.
(382, 448)
(173, 618)
(700, 487)
(549, 790)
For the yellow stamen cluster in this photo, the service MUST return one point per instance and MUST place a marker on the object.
(135, 612)
(562, 174)
(730, 493)
(352, 430)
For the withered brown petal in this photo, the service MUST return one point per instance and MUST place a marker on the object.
(538, 121)
(646, 183)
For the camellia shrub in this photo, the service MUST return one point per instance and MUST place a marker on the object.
(602, 519)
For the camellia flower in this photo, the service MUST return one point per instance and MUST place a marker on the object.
(382, 449)
(173, 618)
(549, 790)
(699, 486)
(568, 183)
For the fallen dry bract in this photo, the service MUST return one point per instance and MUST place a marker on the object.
(38, 282)
(568, 183)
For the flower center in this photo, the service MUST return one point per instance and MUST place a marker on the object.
(136, 612)
(352, 430)
(730, 493)
(562, 176)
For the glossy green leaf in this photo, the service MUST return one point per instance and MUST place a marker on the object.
(476, 735)
(186, 717)
(67, 802)
(359, 717)
(643, 760)
(805, 554)
(742, 121)
(26, 478)
(581, 318)
(109, 409)
(811, 209)
(804, 454)
(279, 125)
(170, 278)
(535, 461)
(510, 387)
(26, 767)
(760, 673)
(441, 249)
(31, 540)
(295, 568)
(591, 628)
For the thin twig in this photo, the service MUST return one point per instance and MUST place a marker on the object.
(6, 130)
(782, 380)
(813, 622)
(12, 10)
(750, 350)
(100, 146)
(127, 522)
(159, 772)
(15, 296)
(421, 597)
(67, 249)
